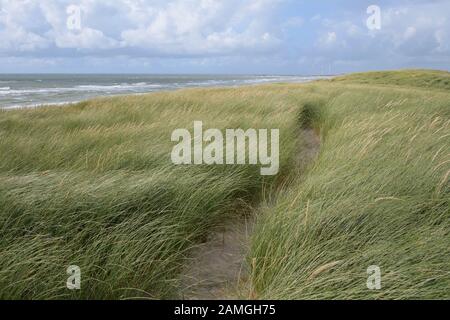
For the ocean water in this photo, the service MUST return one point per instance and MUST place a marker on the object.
(18, 91)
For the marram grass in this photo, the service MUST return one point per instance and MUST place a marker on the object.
(92, 185)
(378, 194)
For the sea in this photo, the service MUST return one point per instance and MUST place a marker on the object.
(33, 90)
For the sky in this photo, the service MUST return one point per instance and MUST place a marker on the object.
(300, 37)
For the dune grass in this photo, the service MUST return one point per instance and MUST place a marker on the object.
(432, 79)
(377, 195)
(92, 185)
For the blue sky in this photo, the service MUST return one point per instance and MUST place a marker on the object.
(221, 36)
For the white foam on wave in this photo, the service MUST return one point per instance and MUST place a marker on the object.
(39, 105)
(119, 87)
(87, 91)
(6, 91)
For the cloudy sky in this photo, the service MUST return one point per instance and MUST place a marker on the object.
(222, 36)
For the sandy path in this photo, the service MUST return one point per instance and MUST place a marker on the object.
(218, 269)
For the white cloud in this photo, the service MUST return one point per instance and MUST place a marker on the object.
(177, 27)
(410, 32)
(18, 32)
(417, 30)
(204, 27)
(330, 38)
(208, 35)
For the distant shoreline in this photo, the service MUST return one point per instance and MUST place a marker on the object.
(42, 90)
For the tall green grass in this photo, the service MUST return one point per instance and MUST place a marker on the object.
(420, 79)
(377, 195)
(92, 185)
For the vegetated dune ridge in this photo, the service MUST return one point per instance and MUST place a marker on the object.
(377, 195)
(92, 185)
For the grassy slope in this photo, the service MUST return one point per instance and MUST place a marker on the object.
(410, 78)
(93, 185)
(377, 195)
